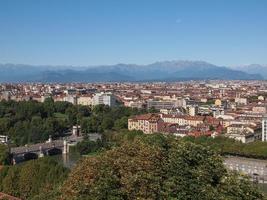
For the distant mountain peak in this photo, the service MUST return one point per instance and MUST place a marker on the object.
(158, 71)
(252, 69)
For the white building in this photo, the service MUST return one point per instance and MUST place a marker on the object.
(104, 98)
(243, 133)
(244, 138)
(264, 128)
(217, 111)
(3, 139)
(241, 101)
(180, 103)
(192, 110)
(71, 99)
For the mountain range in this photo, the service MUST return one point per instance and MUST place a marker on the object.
(158, 71)
(253, 68)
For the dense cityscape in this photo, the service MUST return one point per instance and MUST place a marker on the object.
(235, 109)
(38, 120)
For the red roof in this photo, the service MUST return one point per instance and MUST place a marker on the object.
(193, 118)
(149, 117)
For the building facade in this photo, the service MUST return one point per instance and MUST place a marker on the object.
(160, 104)
(104, 98)
(85, 100)
(264, 128)
(148, 123)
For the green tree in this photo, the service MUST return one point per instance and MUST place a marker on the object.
(49, 106)
(5, 123)
(4, 155)
(107, 123)
(134, 174)
(194, 172)
(121, 123)
(9, 183)
(72, 115)
(87, 146)
(143, 170)
(62, 106)
(32, 178)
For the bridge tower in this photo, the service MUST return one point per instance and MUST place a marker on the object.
(41, 153)
(76, 130)
(49, 139)
(65, 147)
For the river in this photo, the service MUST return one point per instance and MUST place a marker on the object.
(68, 160)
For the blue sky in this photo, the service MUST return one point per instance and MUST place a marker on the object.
(92, 32)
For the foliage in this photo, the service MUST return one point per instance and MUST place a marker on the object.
(109, 139)
(4, 155)
(87, 146)
(226, 146)
(134, 165)
(134, 169)
(31, 122)
(152, 167)
(103, 118)
(32, 178)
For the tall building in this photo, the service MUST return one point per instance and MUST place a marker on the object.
(104, 98)
(264, 128)
(217, 111)
(192, 110)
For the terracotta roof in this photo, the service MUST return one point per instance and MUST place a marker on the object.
(193, 118)
(149, 116)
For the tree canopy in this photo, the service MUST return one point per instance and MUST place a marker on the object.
(227, 146)
(31, 122)
(4, 155)
(151, 168)
(32, 178)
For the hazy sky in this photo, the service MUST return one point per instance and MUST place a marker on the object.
(90, 32)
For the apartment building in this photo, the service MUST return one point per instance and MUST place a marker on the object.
(148, 123)
(183, 120)
(243, 133)
(85, 100)
(71, 99)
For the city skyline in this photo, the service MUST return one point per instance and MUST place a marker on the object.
(225, 33)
